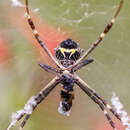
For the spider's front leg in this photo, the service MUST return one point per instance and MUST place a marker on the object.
(100, 38)
(33, 103)
(97, 99)
(42, 44)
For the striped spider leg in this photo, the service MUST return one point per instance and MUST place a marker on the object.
(102, 35)
(99, 97)
(42, 44)
(68, 60)
(98, 100)
(88, 90)
(33, 102)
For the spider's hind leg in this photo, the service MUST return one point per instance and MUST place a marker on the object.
(107, 105)
(98, 102)
(32, 103)
(117, 115)
(36, 100)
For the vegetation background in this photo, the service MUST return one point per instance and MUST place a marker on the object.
(83, 21)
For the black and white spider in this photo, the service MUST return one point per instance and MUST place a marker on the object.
(68, 59)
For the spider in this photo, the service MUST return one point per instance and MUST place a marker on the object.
(69, 58)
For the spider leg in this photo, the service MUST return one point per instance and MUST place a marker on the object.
(99, 97)
(42, 44)
(102, 35)
(39, 98)
(49, 68)
(97, 101)
(82, 64)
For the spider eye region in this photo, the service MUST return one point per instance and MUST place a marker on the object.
(68, 54)
(68, 50)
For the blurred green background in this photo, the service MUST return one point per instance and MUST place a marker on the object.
(82, 20)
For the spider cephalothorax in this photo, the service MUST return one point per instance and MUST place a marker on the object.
(68, 52)
(68, 60)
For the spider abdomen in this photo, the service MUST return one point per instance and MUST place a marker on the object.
(67, 82)
(67, 94)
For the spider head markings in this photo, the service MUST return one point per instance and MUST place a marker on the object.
(68, 52)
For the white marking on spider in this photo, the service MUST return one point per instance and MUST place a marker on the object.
(60, 110)
(105, 112)
(35, 31)
(102, 35)
(113, 20)
(108, 106)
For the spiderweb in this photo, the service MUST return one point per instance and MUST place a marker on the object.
(83, 21)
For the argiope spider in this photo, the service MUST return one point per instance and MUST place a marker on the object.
(68, 58)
